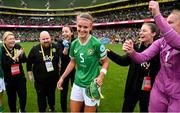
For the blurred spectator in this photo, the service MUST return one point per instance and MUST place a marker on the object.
(109, 16)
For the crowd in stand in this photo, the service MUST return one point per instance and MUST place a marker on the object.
(25, 35)
(111, 16)
(126, 14)
(114, 34)
(27, 20)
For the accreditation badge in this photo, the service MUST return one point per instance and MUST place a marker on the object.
(146, 86)
(49, 66)
(15, 69)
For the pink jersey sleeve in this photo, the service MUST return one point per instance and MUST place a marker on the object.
(147, 54)
(170, 35)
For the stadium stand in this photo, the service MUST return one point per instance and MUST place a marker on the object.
(115, 19)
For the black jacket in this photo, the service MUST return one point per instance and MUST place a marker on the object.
(8, 61)
(65, 59)
(36, 64)
(136, 71)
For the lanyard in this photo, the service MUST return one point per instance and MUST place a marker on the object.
(8, 51)
(44, 59)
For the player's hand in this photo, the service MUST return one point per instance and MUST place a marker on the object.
(66, 43)
(99, 80)
(59, 84)
(154, 8)
(128, 46)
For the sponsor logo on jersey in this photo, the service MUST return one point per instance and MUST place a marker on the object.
(75, 51)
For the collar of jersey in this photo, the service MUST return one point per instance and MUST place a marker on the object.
(86, 40)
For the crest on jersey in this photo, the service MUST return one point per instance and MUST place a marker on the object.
(75, 51)
(90, 52)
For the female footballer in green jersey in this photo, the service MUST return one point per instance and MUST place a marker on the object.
(86, 52)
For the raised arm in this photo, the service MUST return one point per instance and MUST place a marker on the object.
(146, 55)
(170, 29)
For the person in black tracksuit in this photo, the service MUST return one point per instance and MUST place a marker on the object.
(137, 72)
(43, 60)
(67, 34)
(12, 58)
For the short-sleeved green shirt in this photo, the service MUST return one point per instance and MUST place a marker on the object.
(87, 57)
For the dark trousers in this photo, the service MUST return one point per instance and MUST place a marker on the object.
(64, 92)
(131, 100)
(45, 94)
(13, 87)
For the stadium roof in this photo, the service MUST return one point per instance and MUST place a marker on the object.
(54, 4)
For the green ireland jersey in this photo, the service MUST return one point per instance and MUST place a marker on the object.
(87, 57)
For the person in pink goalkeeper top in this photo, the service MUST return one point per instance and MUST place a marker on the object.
(165, 94)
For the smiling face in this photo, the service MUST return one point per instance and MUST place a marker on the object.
(174, 20)
(84, 27)
(9, 41)
(66, 33)
(45, 39)
(147, 33)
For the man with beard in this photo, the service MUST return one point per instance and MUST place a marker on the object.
(43, 63)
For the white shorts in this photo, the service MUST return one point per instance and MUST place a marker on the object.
(78, 94)
(2, 85)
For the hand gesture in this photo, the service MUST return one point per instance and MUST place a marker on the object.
(20, 52)
(128, 46)
(154, 8)
(99, 80)
(66, 43)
